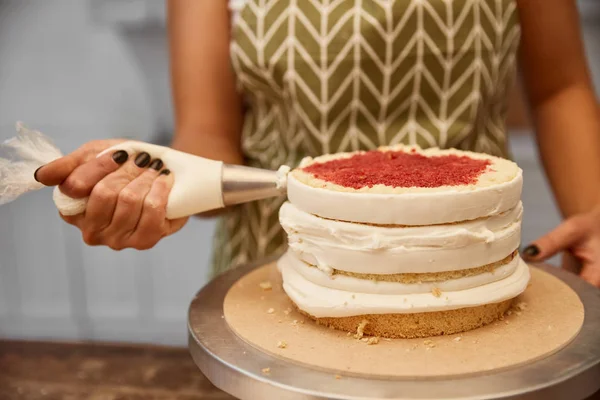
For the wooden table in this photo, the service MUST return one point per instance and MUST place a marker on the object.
(82, 371)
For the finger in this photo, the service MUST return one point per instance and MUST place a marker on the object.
(561, 238)
(571, 263)
(591, 273)
(105, 195)
(131, 199)
(75, 220)
(82, 180)
(172, 225)
(153, 224)
(55, 172)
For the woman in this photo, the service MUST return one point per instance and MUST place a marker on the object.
(313, 77)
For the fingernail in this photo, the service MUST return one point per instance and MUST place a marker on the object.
(120, 156)
(35, 174)
(142, 160)
(156, 164)
(531, 251)
(165, 172)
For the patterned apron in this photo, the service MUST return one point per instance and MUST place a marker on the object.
(330, 76)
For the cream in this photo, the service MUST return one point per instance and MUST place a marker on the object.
(358, 285)
(320, 301)
(371, 249)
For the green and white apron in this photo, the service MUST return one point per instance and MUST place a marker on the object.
(332, 76)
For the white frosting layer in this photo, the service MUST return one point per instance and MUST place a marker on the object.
(419, 208)
(390, 250)
(320, 301)
(357, 285)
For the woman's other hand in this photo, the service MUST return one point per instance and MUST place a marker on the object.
(127, 195)
(579, 238)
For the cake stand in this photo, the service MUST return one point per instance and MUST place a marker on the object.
(234, 366)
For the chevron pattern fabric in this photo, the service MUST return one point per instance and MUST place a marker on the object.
(342, 75)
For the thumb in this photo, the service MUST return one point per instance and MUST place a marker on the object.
(563, 237)
(54, 173)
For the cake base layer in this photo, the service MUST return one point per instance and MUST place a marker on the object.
(265, 318)
(420, 325)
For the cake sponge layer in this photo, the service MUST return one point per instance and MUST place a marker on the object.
(407, 284)
(494, 189)
(321, 302)
(419, 325)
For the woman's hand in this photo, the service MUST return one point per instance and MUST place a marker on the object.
(579, 237)
(127, 195)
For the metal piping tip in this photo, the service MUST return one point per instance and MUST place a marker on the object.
(242, 184)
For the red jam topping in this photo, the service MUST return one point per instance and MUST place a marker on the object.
(399, 169)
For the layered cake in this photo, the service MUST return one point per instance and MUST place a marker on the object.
(403, 242)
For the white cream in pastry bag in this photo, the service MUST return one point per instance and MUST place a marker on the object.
(200, 184)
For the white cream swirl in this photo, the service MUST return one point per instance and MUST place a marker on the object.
(320, 301)
(358, 285)
(371, 249)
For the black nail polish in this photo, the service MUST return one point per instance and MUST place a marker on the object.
(120, 156)
(35, 174)
(142, 160)
(531, 251)
(165, 172)
(156, 164)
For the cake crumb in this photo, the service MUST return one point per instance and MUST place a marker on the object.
(301, 321)
(266, 371)
(501, 318)
(436, 292)
(457, 339)
(360, 330)
(507, 322)
(509, 312)
(373, 340)
(475, 341)
(521, 306)
(287, 311)
(295, 322)
(429, 343)
(281, 344)
(270, 311)
(349, 334)
(338, 377)
(365, 339)
(353, 296)
(266, 286)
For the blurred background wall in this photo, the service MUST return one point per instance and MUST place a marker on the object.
(86, 69)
